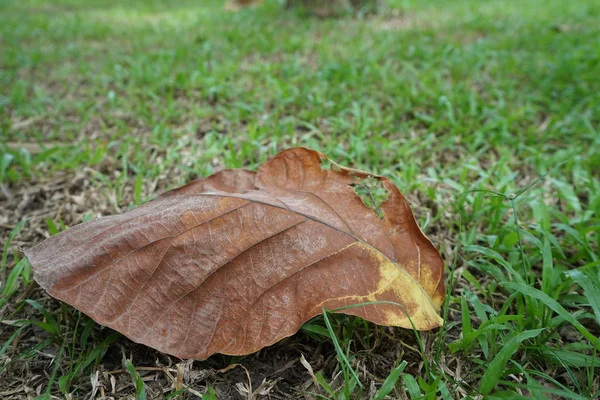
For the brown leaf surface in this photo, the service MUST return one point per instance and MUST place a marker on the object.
(239, 260)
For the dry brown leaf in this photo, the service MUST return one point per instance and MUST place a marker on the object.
(240, 260)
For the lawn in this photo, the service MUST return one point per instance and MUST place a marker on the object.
(486, 114)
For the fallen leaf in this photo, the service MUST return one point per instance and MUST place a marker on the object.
(240, 260)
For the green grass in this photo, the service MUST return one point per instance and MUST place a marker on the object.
(485, 113)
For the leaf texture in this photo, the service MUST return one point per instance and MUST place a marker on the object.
(239, 260)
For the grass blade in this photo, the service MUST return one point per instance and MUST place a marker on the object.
(338, 348)
(412, 386)
(590, 282)
(11, 237)
(390, 381)
(556, 307)
(11, 285)
(496, 368)
(140, 386)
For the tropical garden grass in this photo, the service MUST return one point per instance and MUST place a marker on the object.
(486, 114)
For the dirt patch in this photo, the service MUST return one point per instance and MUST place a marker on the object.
(397, 23)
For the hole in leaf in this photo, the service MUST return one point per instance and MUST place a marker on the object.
(372, 193)
(325, 163)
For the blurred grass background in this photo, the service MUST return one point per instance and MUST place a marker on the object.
(464, 104)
